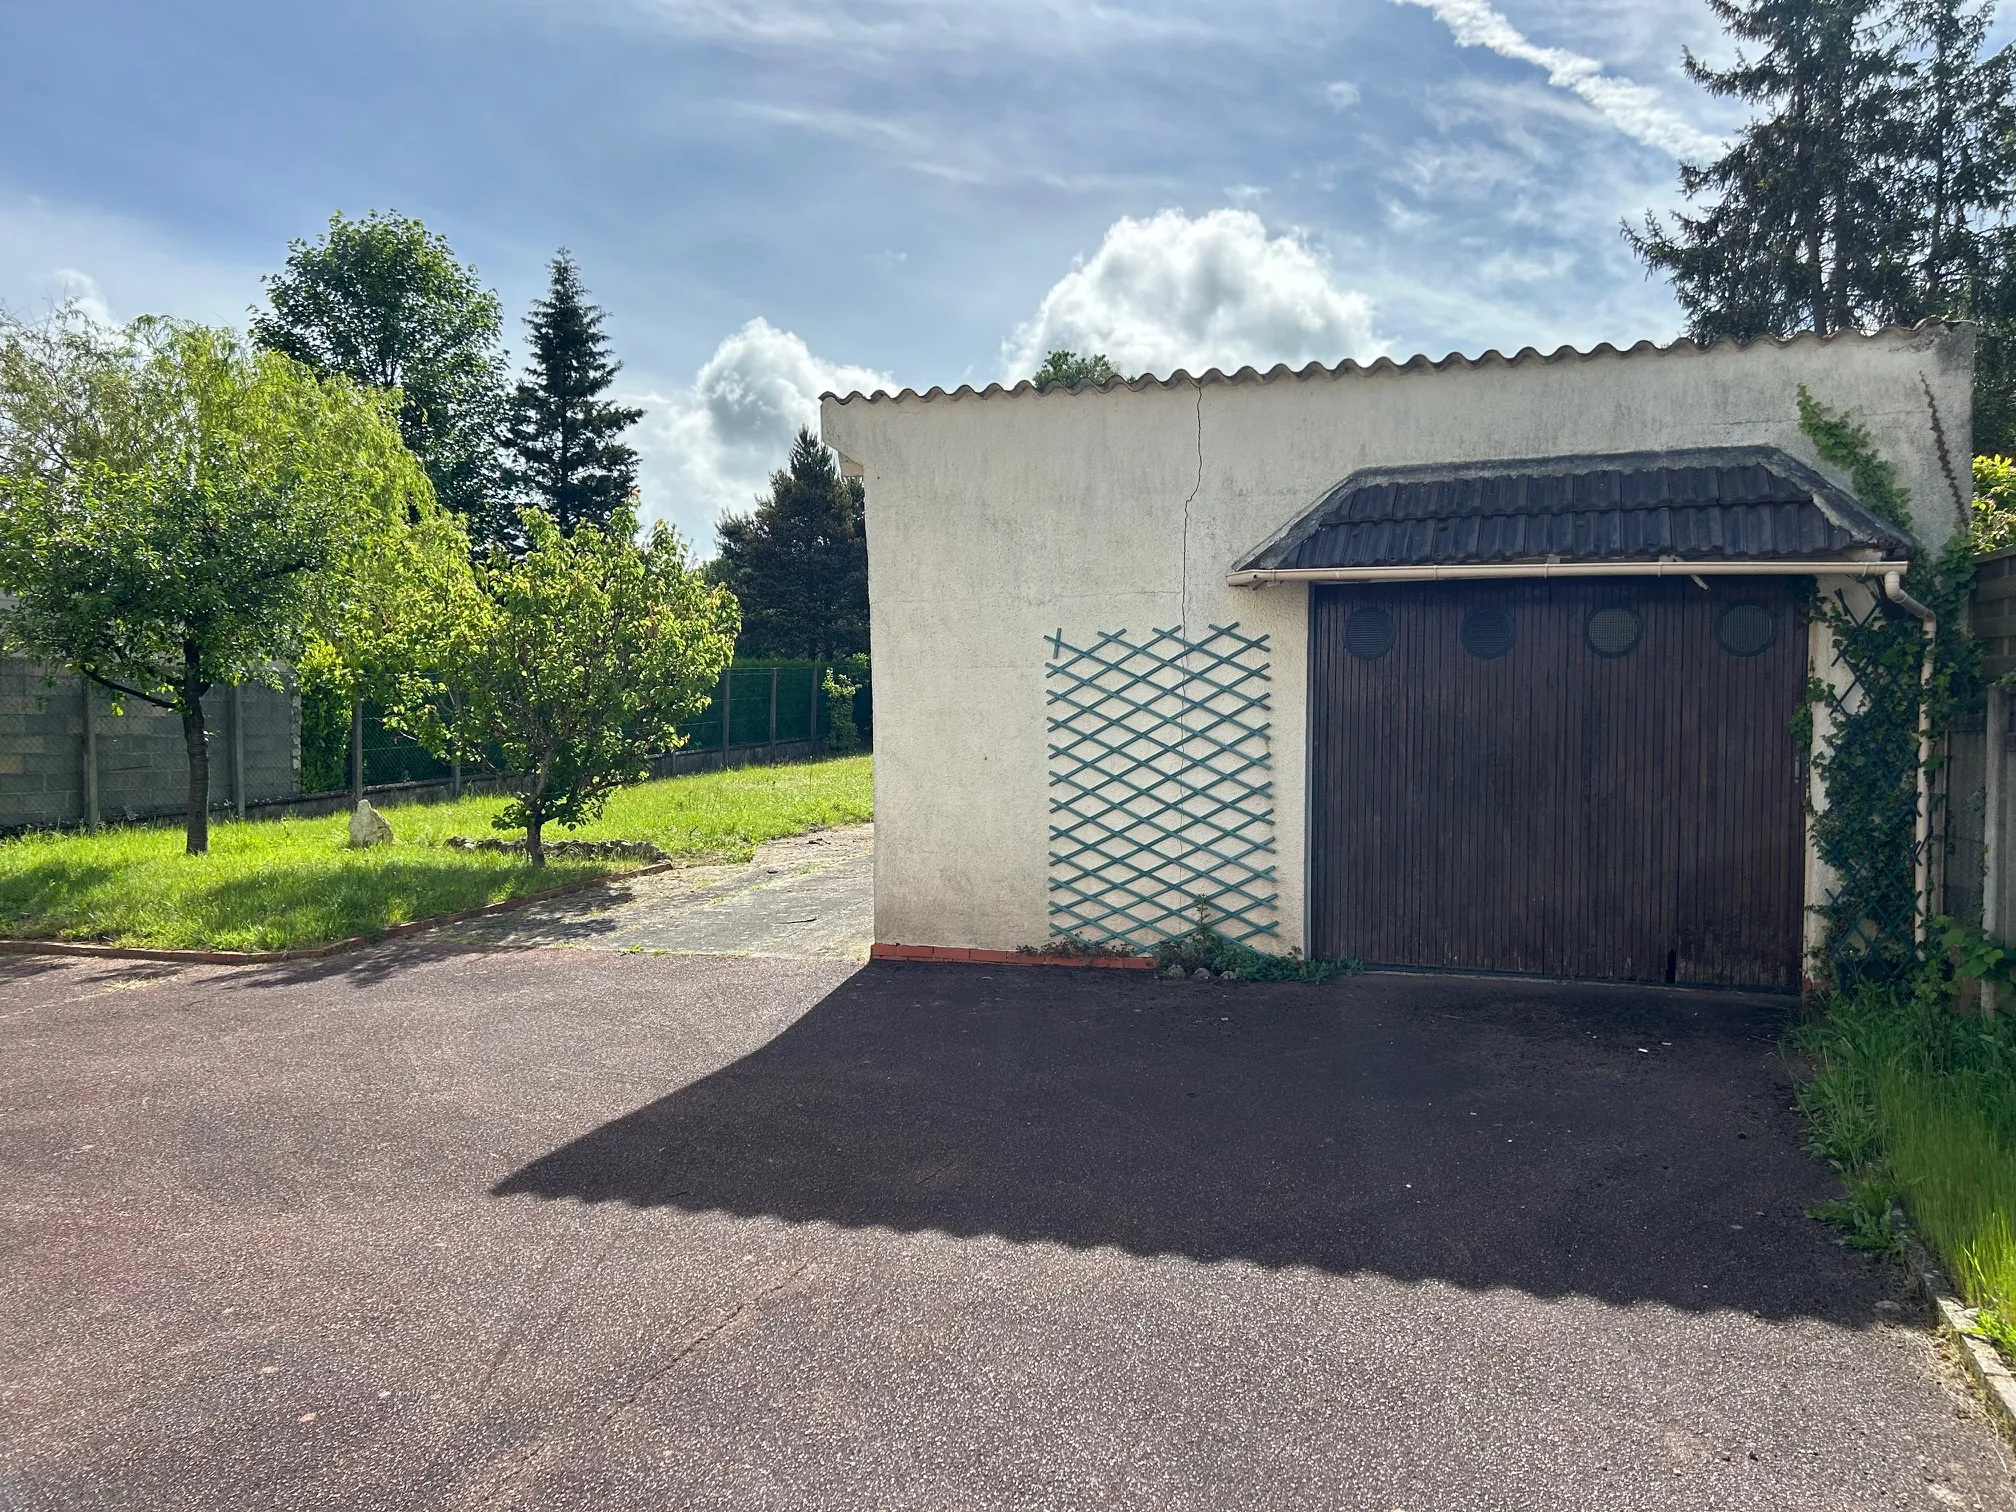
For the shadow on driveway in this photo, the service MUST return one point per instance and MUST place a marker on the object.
(1625, 1144)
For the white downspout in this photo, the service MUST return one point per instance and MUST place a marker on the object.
(1893, 589)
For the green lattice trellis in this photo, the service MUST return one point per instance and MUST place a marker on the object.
(1867, 833)
(1161, 788)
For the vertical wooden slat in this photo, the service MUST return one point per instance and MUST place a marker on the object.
(1552, 810)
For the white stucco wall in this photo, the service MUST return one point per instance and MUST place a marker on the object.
(996, 519)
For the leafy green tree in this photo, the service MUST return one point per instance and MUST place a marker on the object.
(67, 395)
(1069, 369)
(193, 520)
(1873, 185)
(798, 564)
(578, 657)
(566, 456)
(385, 633)
(1993, 526)
(383, 302)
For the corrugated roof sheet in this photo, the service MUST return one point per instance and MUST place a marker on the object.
(1418, 363)
(1723, 504)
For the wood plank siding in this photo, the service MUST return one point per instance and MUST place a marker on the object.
(1552, 809)
(1994, 611)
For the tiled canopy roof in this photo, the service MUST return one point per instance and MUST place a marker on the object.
(1721, 504)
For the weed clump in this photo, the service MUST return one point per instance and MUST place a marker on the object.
(1205, 949)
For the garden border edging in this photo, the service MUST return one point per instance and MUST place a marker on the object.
(315, 952)
(1992, 1379)
(974, 956)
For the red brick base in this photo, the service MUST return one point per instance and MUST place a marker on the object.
(971, 957)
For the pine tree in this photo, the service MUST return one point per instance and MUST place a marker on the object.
(1962, 121)
(568, 459)
(1966, 184)
(1873, 187)
(799, 563)
(1802, 232)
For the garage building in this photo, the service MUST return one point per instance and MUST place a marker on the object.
(1485, 665)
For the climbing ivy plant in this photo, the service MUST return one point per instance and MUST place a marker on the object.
(1868, 761)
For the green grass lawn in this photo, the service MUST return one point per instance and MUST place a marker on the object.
(279, 884)
(1916, 1103)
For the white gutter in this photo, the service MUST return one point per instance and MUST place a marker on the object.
(1893, 589)
(1260, 577)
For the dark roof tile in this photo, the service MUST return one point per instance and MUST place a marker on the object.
(1732, 503)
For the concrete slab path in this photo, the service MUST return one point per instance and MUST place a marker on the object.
(811, 897)
(574, 1229)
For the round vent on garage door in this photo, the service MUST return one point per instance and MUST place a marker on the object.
(1746, 629)
(1487, 632)
(1613, 630)
(1368, 634)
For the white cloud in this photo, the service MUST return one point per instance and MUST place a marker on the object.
(1342, 95)
(920, 150)
(114, 267)
(914, 26)
(938, 150)
(1632, 108)
(711, 447)
(71, 286)
(1217, 291)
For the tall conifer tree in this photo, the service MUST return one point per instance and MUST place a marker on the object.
(798, 563)
(567, 457)
(1965, 184)
(1799, 231)
(1873, 186)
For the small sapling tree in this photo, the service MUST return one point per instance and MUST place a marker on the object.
(185, 509)
(578, 659)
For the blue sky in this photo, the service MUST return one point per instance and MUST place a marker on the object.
(775, 196)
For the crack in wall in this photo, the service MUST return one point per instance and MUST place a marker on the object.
(1196, 487)
(1187, 709)
(1960, 497)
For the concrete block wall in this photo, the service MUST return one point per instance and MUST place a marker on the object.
(41, 748)
(142, 768)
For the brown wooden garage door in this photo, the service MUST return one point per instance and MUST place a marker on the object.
(1583, 778)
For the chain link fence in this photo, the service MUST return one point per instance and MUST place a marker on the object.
(763, 705)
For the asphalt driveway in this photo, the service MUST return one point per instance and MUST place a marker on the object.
(572, 1229)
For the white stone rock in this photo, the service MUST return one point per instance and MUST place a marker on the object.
(368, 826)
